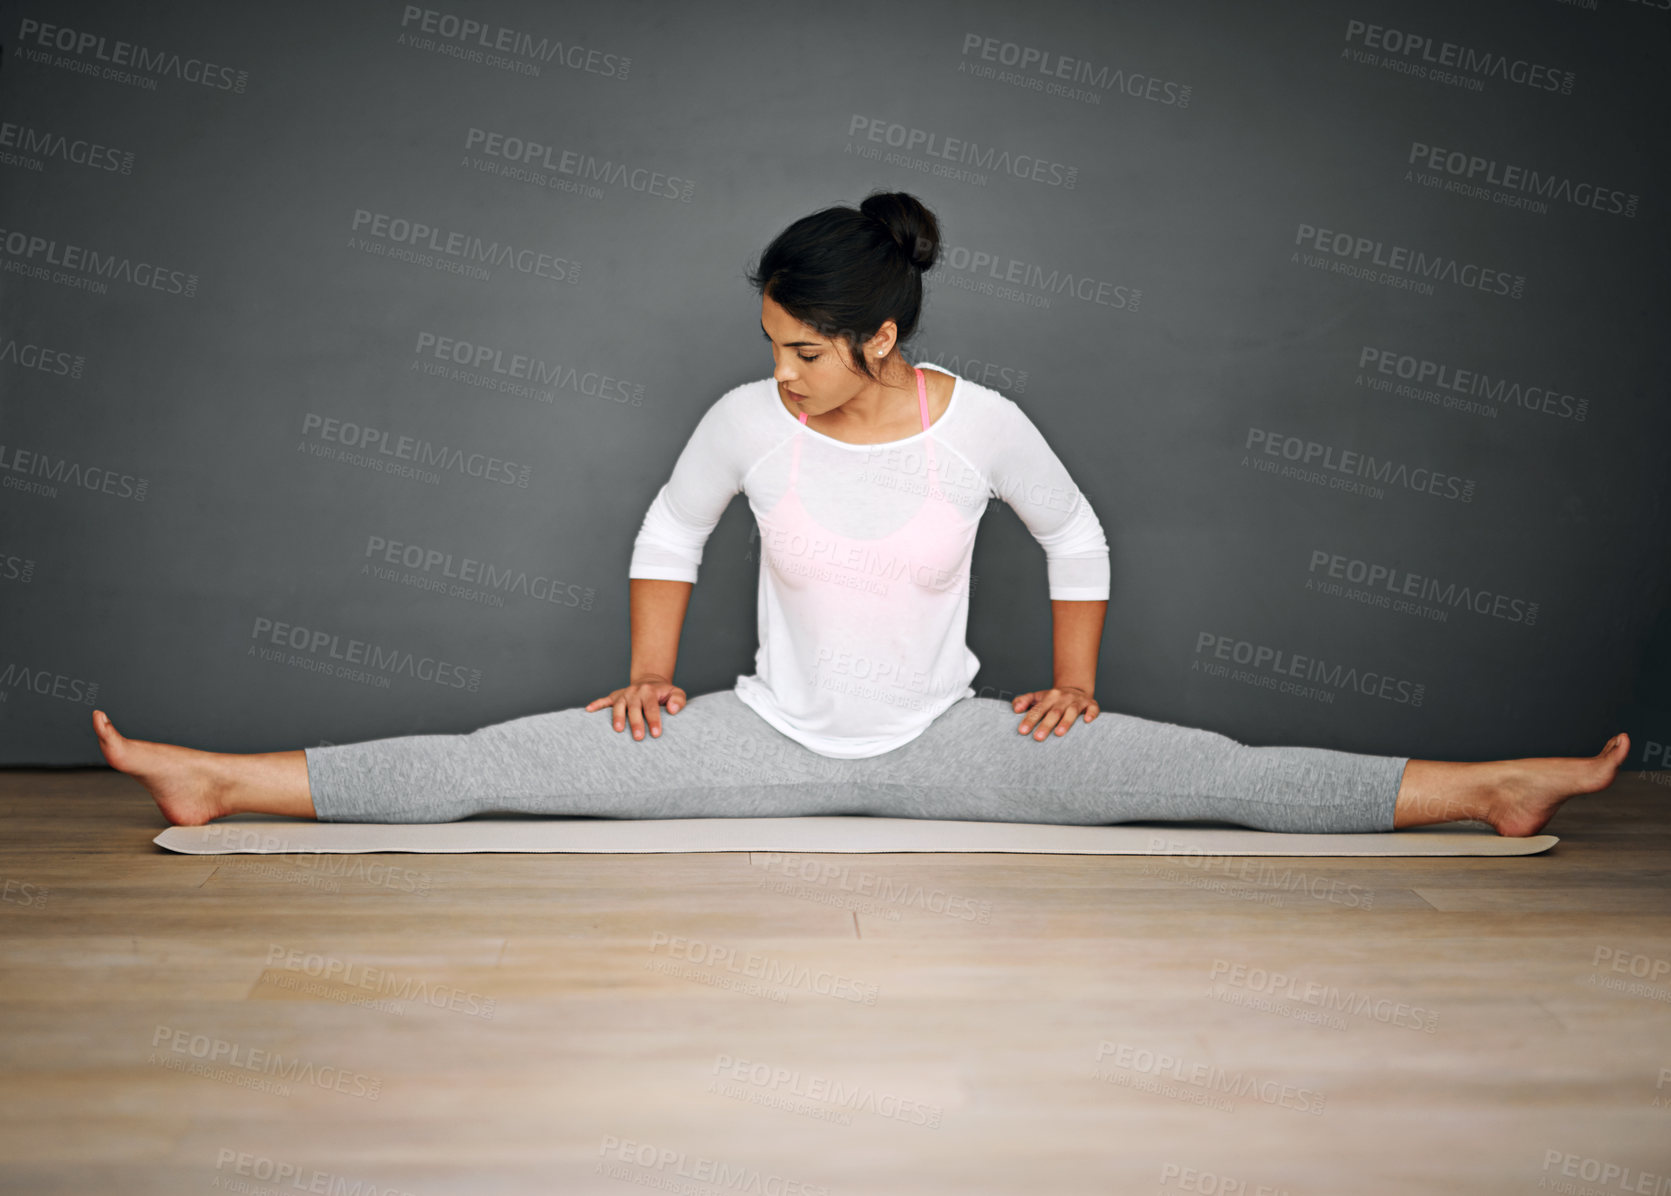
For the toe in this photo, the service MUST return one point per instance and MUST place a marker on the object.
(110, 740)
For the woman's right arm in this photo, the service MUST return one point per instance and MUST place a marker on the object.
(658, 614)
(666, 557)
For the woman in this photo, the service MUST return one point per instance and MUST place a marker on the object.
(867, 477)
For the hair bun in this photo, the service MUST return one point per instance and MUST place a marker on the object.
(912, 226)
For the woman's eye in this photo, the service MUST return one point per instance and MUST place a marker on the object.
(804, 357)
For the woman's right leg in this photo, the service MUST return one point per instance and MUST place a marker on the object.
(715, 758)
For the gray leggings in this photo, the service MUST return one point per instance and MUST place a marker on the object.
(716, 758)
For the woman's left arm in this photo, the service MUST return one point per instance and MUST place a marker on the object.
(1077, 637)
(1029, 476)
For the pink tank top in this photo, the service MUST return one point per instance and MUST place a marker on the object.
(925, 547)
(868, 609)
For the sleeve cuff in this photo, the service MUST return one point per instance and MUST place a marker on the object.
(662, 573)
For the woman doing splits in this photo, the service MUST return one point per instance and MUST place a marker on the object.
(868, 477)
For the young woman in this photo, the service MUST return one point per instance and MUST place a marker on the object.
(868, 477)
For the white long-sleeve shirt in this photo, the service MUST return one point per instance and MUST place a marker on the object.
(863, 598)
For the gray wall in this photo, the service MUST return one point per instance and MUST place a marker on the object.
(1179, 235)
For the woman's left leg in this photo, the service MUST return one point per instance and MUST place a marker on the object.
(972, 763)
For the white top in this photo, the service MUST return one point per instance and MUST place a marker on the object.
(863, 600)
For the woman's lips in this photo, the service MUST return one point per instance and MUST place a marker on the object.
(793, 395)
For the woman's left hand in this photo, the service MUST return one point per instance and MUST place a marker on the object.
(1056, 707)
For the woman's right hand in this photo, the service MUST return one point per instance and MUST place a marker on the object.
(641, 700)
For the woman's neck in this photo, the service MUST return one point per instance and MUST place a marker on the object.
(883, 403)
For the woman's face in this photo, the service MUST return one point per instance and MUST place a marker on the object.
(813, 371)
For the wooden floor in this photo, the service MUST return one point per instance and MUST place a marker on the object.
(894, 1024)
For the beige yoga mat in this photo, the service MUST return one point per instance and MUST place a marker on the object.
(811, 835)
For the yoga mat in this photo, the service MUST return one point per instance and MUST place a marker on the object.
(840, 833)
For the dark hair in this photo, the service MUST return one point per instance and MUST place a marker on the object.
(843, 271)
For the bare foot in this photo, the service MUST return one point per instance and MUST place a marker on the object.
(185, 782)
(1528, 792)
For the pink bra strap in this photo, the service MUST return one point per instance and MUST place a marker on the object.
(922, 404)
(795, 460)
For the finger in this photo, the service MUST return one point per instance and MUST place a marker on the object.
(620, 716)
(1021, 701)
(635, 715)
(1092, 710)
(653, 712)
(675, 700)
(1047, 721)
(1071, 713)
